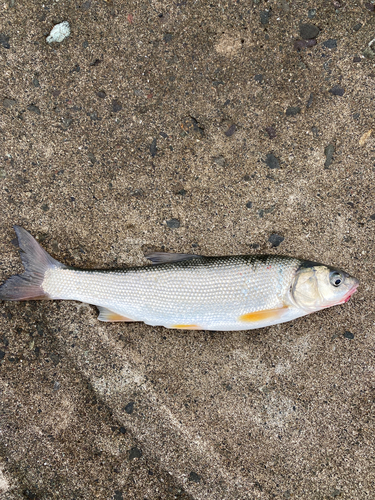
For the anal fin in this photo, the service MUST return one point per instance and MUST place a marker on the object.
(108, 315)
(266, 314)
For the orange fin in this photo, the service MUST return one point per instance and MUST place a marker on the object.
(107, 315)
(187, 327)
(263, 315)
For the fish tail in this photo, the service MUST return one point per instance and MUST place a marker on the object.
(28, 286)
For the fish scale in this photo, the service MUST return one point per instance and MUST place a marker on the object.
(186, 291)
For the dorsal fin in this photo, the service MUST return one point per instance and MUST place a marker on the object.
(164, 257)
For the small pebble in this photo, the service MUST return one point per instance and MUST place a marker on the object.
(310, 101)
(8, 103)
(293, 111)
(311, 13)
(219, 160)
(328, 151)
(101, 94)
(372, 217)
(275, 240)
(357, 27)
(116, 106)
(153, 148)
(194, 477)
(231, 130)
(34, 109)
(249, 204)
(59, 32)
(349, 335)
(4, 41)
(337, 90)
(330, 44)
(135, 453)
(129, 408)
(307, 31)
(265, 16)
(271, 132)
(356, 59)
(303, 44)
(258, 78)
(173, 223)
(271, 161)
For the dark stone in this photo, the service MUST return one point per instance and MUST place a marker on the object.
(85, 44)
(116, 106)
(231, 130)
(173, 223)
(2, 354)
(122, 430)
(372, 217)
(356, 59)
(153, 149)
(275, 240)
(249, 204)
(217, 83)
(265, 16)
(129, 407)
(34, 109)
(330, 44)
(167, 37)
(45, 207)
(76, 68)
(303, 44)
(135, 453)
(272, 161)
(337, 90)
(258, 78)
(261, 213)
(293, 111)
(254, 246)
(4, 41)
(101, 94)
(193, 476)
(328, 151)
(271, 132)
(8, 103)
(307, 31)
(182, 192)
(349, 335)
(315, 131)
(164, 135)
(357, 27)
(36, 82)
(118, 495)
(96, 62)
(370, 6)
(310, 101)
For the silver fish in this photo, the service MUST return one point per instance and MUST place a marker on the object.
(186, 291)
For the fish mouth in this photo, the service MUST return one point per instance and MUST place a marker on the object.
(349, 294)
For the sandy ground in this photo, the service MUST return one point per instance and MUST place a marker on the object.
(187, 127)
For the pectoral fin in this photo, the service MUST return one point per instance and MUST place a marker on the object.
(267, 314)
(107, 315)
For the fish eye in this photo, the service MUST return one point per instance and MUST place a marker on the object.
(336, 278)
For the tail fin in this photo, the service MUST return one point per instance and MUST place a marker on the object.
(28, 286)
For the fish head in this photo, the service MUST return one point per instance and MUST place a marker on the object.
(316, 286)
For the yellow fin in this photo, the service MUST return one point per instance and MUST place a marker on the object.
(107, 315)
(187, 327)
(263, 315)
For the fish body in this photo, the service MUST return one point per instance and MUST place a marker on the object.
(186, 291)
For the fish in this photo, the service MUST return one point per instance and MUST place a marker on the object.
(186, 291)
